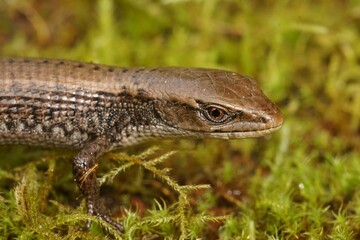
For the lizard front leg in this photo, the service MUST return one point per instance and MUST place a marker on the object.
(84, 170)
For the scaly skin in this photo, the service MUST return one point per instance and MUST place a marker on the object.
(98, 108)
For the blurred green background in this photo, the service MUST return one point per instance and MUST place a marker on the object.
(302, 182)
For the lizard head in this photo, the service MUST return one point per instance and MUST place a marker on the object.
(215, 103)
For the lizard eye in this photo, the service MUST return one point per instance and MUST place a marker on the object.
(216, 114)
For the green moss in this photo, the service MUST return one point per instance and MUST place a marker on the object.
(300, 183)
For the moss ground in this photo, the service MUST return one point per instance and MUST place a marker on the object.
(302, 182)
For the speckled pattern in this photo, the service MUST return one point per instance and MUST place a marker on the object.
(98, 108)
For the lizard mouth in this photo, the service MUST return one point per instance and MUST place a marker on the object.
(242, 134)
